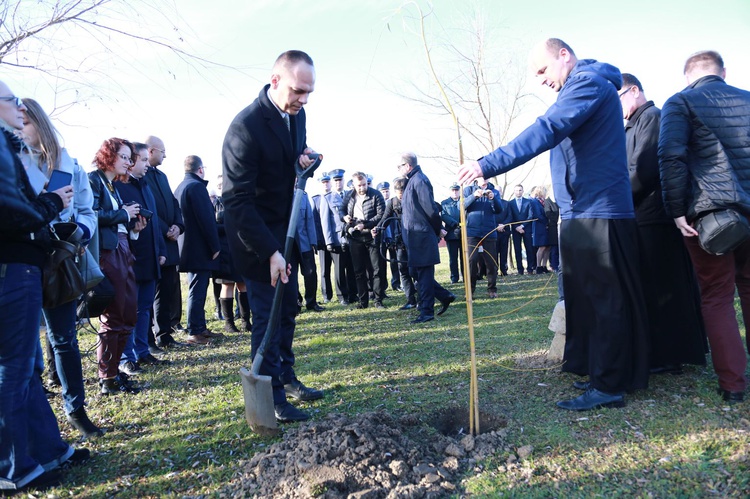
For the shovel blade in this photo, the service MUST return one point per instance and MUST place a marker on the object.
(258, 394)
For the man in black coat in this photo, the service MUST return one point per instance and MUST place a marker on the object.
(261, 147)
(168, 298)
(199, 247)
(704, 162)
(422, 230)
(364, 209)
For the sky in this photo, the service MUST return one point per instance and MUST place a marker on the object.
(368, 54)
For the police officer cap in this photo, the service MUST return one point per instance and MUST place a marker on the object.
(325, 177)
(336, 174)
(369, 179)
(455, 186)
(383, 186)
(350, 184)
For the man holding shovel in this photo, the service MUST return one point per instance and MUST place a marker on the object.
(260, 150)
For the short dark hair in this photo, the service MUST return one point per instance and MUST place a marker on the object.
(709, 60)
(291, 57)
(399, 184)
(555, 44)
(193, 164)
(139, 146)
(628, 80)
(359, 176)
(410, 159)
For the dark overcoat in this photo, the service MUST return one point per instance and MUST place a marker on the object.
(200, 241)
(420, 219)
(258, 160)
(168, 210)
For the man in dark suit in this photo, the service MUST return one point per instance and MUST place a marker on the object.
(199, 247)
(503, 218)
(422, 230)
(169, 218)
(385, 190)
(520, 208)
(261, 147)
(324, 256)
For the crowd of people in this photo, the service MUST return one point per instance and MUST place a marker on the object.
(638, 286)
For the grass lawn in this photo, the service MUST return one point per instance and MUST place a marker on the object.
(185, 435)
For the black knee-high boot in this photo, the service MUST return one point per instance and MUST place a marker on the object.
(227, 305)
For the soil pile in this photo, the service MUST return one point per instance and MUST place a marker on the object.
(368, 456)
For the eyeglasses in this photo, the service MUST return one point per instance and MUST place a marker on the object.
(125, 158)
(624, 92)
(12, 98)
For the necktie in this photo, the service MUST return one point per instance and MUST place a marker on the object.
(518, 203)
(287, 123)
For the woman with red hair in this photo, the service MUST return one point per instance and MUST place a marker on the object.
(118, 223)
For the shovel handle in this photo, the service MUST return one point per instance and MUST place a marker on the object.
(273, 320)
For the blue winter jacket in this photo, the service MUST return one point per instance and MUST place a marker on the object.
(585, 132)
(481, 213)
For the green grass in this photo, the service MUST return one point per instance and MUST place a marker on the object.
(186, 435)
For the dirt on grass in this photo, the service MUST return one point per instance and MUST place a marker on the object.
(370, 456)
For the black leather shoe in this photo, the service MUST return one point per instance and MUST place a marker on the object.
(422, 318)
(731, 397)
(344, 302)
(287, 413)
(79, 420)
(79, 456)
(169, 342)
(673, 369)
(408, 306)
(296, 390)
(592, 399)
(315, 308)
(445, 304)
(582, 385)
(361, 306)
(154, 350)
(46, 480)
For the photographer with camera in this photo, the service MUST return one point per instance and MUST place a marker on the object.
(482, 204)
(392, 218)
(150, 253)
(364, 210)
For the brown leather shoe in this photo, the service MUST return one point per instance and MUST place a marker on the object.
(210, 334)
(198, 339)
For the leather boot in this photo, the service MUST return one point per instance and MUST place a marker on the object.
(227, 306)
(79, 420)
(244, 305)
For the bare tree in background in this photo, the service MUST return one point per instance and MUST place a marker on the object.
(84, 46)
(485, 80)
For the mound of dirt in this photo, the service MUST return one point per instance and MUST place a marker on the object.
(369, 456)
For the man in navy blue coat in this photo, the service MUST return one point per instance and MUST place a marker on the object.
(422, 229)
(606, 324)
(199, 247)
(520, 209)
(324, 256)
(261, 147)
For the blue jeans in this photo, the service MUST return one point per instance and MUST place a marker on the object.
(278, 362)
(196, 302)
(137, 346)
(30, 437)
(62, 336)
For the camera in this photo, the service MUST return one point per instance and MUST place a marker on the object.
(147, 214)
(486, 193)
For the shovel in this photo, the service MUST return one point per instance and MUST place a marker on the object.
(256, 388)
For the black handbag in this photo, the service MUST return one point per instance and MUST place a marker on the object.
(96, 300)
(722, 231)
(62, 279)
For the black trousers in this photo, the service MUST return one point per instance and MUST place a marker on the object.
(393, 264)
(455, 259)
(503, 241)
(429, 289)
(530, 253)
(343, 271)
(325, 261)
(488, 256)
(606, 323)
(364, 255)
(166, 287)
(310, 277)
